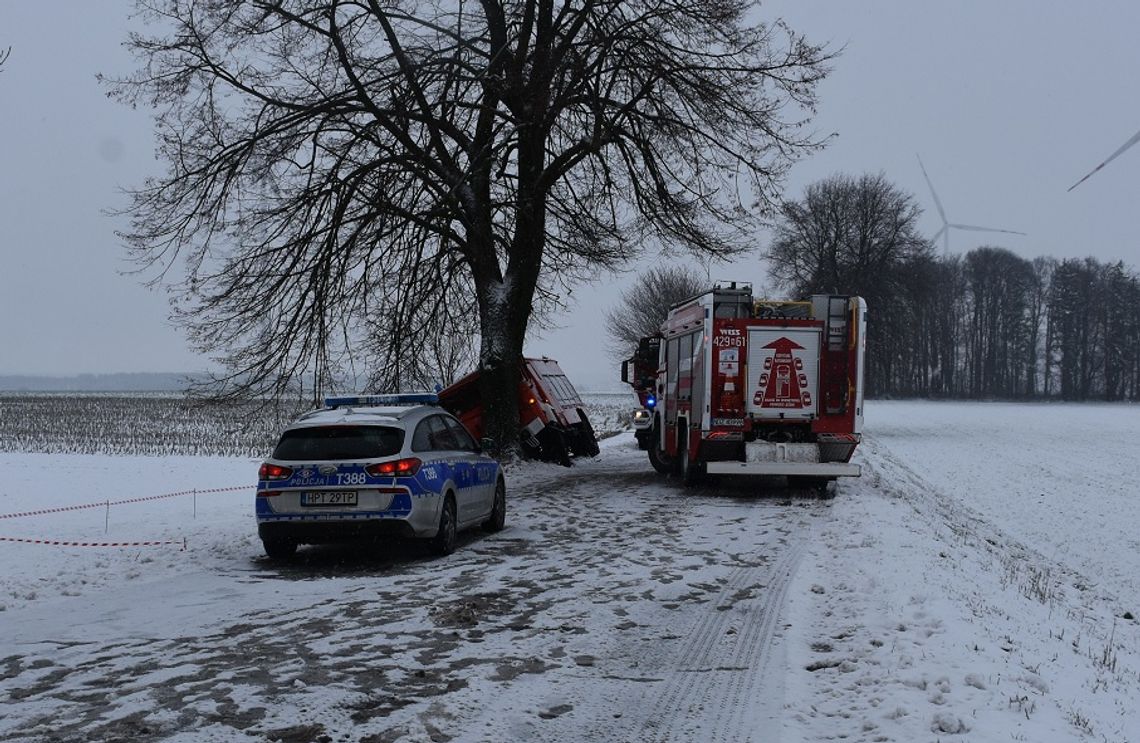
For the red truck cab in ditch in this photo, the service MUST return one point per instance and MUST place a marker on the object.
(552, 417)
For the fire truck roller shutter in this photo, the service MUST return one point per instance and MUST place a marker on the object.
(783, 373)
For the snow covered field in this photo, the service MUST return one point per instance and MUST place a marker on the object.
(978, 583)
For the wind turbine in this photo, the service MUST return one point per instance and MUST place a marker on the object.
(944, 233)
(1113, 156)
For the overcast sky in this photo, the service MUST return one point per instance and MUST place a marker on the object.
(1007, 103)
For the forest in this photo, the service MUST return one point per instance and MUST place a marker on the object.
(988, 324)
(991, 324)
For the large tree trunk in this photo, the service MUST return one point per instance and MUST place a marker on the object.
(506, 305)
(498, 387)
(505, 313)
(505, 309)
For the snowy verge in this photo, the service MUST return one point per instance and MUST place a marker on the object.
(918, 615)
(195, 513)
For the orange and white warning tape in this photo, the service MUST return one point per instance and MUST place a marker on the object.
(104, 504)
(62, 543)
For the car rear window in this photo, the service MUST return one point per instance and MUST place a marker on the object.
(339, 442)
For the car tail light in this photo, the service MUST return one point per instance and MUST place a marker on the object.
(399, 468)
(273, 472)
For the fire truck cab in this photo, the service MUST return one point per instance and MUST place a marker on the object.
(757, 387)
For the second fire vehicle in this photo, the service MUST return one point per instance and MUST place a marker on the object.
(739, 386)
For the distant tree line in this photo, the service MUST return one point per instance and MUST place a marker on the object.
(989, 324)
(994, 325)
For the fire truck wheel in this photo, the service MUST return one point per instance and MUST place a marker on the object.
(820, 485)
(498, 518)
(586, 442)
(555, 447)
(443, 543)
(561, 451)
(657, 458)
(660, 463)
(691, 472)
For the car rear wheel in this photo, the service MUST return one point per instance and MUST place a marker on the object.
(498, 518)
(443, 543)
(279, 549)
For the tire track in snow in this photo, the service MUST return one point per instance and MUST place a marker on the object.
(708, 689)
(708, 696)
(755, 652)
(582, 545)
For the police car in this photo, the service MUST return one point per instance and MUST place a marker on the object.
(377, 466)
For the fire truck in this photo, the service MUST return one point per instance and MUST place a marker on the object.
(552, 418)
(753, 387)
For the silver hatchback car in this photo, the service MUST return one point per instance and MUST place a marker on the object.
(377, 467)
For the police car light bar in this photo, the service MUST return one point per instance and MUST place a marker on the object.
(416, 398)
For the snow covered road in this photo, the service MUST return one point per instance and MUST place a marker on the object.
(615, 607)
(978, 583)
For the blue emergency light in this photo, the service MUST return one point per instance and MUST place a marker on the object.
(650, 401)
(360, 401)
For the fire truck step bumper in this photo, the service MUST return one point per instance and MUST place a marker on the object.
(808, 469)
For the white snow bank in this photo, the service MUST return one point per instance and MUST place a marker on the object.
(973, 584)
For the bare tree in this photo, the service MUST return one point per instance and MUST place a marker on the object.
(1037, 362)
(441, 345)
(856, 235)
(643, 306)
(332, 164)
(999, 339)
(4, 54)
(847, 234)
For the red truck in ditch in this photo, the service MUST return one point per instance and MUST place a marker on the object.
(552, 417)
(754, 387)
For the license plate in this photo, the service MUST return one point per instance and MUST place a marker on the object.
(328, 498)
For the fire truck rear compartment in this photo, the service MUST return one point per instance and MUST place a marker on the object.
(827, 459)
(760, 452)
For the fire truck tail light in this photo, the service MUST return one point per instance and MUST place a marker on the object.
(398, 468)
(273, 472)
